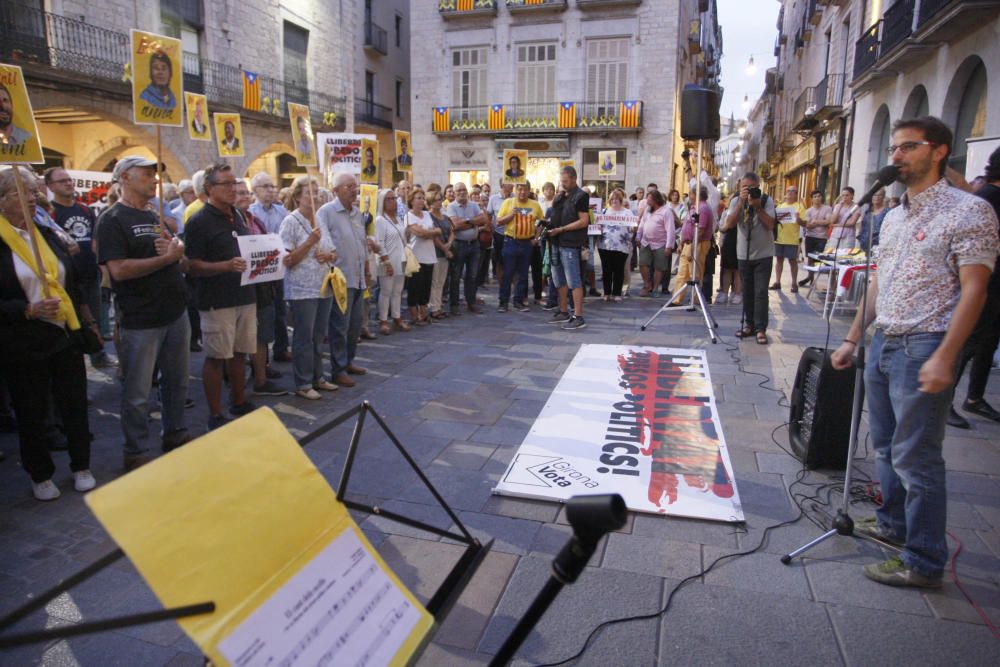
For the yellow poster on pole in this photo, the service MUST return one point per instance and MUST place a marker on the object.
(228, 134)
(197, 117)
(369, 161)
(567, 163)
(369, 197)
(514, 164)
(302, 135)
(19, 140)
(242, 518)
(607, 163)
(404, 158)
(157, 79)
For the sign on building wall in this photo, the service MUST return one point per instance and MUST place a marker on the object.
(467, 158)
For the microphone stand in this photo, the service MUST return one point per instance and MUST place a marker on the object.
(693, 284)
(749, 223)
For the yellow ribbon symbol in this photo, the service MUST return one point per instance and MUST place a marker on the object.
(127, 72)
(265, 103)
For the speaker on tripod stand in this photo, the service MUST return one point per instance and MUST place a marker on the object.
(819, 426)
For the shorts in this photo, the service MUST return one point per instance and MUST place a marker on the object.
(785, 251)
(228, 331)
(814, 244)
(565, 263)
(265, 324)
(658, 258)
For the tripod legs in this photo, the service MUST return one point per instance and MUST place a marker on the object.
(697, 298)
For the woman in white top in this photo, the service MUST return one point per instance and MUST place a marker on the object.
(310, 257)
(390, 236)
(420, 227)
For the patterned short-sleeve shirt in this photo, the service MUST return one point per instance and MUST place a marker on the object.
(923, 243)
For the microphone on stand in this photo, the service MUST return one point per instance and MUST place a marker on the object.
(886, 176)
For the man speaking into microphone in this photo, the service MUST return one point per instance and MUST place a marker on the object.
(936, 253)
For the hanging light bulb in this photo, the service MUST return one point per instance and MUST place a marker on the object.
(751, 68)
(746, 101)
(742, 130)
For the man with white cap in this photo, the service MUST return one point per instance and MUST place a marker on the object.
(146, 267)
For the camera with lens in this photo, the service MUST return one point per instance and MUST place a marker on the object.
(755, 193)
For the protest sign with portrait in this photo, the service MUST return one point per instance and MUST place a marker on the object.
(157, 79)
(515, 163)
(197, 117)
(404, 158)
(228, 134)
(369, 161)
(607, 164)
(369, 197)
(19, 140)
(302, 135)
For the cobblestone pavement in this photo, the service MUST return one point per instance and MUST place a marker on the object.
(462, 394)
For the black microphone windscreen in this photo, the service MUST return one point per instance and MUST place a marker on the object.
(888, 175)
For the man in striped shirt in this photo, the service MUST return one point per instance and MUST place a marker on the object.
(518, 216)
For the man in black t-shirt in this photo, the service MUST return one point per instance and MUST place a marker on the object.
(78, 222)
(228, 310)
(146, 277)
(567, 234)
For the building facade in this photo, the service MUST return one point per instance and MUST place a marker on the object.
(74, 52)
(382, 77)
(562, 79)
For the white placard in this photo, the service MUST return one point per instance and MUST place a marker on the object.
(340, 609)
(91, 188)
(785, 215)
(638, 421)
(623, 219)
(264, 254)
(341, 152)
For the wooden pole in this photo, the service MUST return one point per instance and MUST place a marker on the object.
(159, 182)
(26, 209)
(312, 201)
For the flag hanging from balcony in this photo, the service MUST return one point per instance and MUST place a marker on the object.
(465, 5)
(628, 114)
(441, 122)
(567, 114)
(496, 118)
(251, 91)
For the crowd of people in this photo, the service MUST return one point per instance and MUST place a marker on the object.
(173, 269)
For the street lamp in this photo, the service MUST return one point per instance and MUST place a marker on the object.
(751, 69)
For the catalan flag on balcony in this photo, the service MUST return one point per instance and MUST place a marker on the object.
(497, 117)
(567, 114)
(465, 5)
(628, 114)
(251, 91)
(441, 121)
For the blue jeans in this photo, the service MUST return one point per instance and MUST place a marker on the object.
(465, 263)
(566, 270)
(141, 350)
(907, 427)
(345, 327)
(516, 260)
(310, 319)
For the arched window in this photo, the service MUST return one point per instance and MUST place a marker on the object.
(916, 104)
(970, 121)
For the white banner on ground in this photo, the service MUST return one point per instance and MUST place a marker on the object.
(264, 254)
(638, 421)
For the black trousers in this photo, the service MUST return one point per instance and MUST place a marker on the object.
(755, 273)
(418, 286)
(33, 385)
(612, 271)
(980, 347)
(536, 271)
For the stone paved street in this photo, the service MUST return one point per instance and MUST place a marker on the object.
(461, 396)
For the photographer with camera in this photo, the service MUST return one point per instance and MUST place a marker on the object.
(566, 232)
(753, 216)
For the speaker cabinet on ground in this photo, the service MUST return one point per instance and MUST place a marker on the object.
(820, 417)
(699, 113)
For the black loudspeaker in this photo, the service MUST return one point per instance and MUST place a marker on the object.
(819, 427)
(699, 113)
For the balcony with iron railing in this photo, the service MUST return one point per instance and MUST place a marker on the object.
(370, 112)
(518, 6)
(376, 38)
(829, 96)
(466, 8)
(605, 116)
(804, 112)
(587, 4)
(65, 51)
(866, 50)
(897, 24)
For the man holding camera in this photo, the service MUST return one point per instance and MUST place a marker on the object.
(567, 234)
(753, 216)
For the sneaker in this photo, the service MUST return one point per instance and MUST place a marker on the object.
(574, 323)
(216, 421)
(45, 490)
(560, 318)
(981, 408)
(521, 307)
(548, 308)
(502, 308)
(268, 389)
(83, 481)
(309, 394)
(894, 572)
(957, 420)
(871, 528)
(721, 298)
(244, 408)
(736, 300)
(188, 403)
(344, 380)
(323, 385)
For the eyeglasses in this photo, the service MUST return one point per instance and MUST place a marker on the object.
(267, 187)
(225, 184)
(908, 146)
(62, 180)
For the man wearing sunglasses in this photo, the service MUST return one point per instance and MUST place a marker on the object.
(936, 252)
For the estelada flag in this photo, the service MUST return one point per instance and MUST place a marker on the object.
(441, 121)
(496, 117)
(18, 134)
(628, 114)
(523, 225)
(465, 5)
(251, 91)
(567, 114)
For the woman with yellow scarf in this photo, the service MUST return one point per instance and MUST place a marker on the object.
(38, 359)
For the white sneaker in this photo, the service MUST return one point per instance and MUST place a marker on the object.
(310, 394)
(736, 300)
(45, 490)
(83, 481)
(721, 298)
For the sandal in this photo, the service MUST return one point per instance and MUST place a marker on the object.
(401, 325)
(367, 335)
(745, 332)
(383, 328)
(761, 338)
